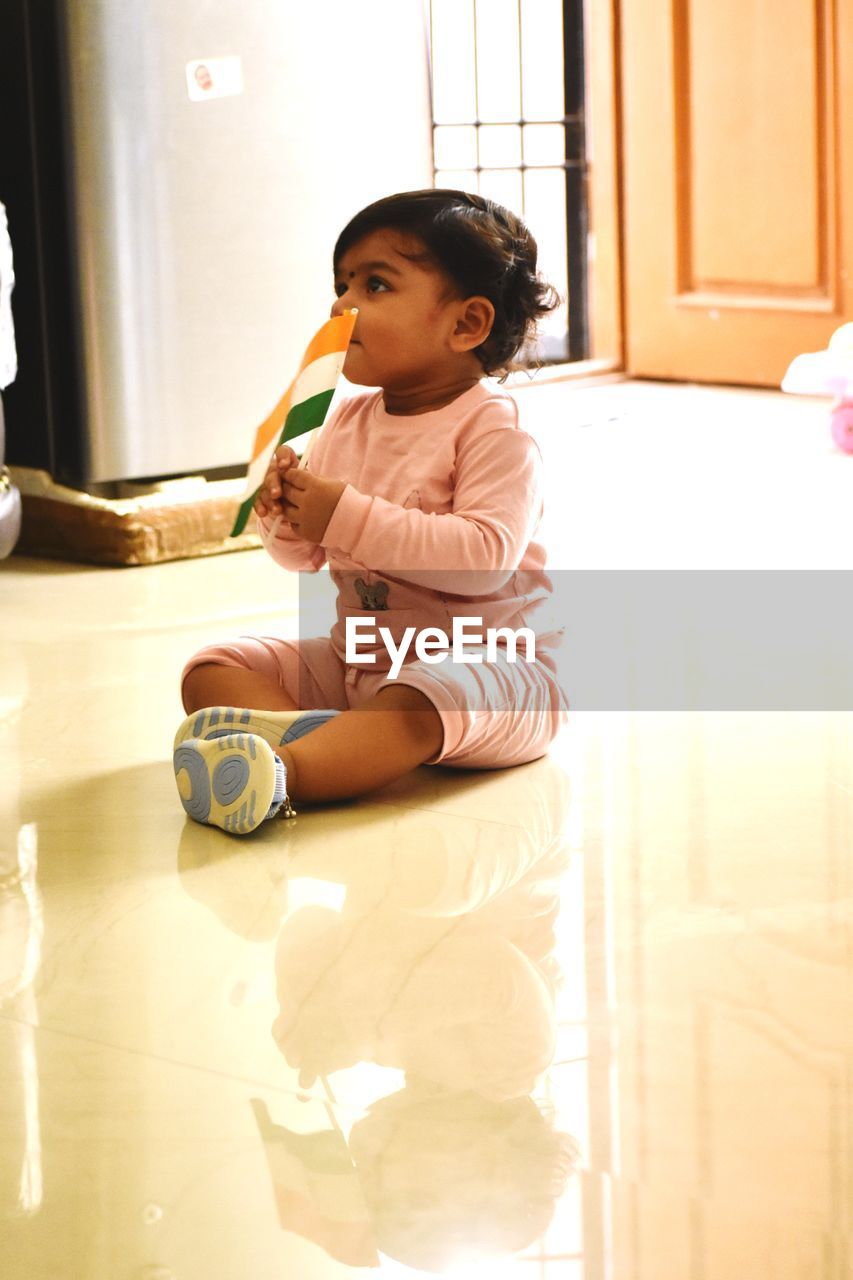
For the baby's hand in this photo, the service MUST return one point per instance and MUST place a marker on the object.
(309, 501)
(268, 501)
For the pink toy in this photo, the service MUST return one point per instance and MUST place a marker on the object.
(842, 425)
(829, 373)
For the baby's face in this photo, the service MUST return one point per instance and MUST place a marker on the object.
(405, 312)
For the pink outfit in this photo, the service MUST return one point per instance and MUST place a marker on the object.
(437, 520)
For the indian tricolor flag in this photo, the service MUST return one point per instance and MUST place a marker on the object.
(303, 406)
(318, 1191)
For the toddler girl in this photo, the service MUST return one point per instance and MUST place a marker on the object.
(424, 497)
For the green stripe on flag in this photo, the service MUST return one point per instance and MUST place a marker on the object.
(303, 417)
(306, 415)
(243, 516)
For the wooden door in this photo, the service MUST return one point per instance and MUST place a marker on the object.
(738, 184)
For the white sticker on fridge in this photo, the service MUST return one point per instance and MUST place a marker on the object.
(214, 78)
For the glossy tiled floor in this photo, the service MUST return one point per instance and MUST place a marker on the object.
(587, 1019)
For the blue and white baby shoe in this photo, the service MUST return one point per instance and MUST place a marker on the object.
(235, 781)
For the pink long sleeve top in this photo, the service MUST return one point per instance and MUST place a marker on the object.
(438, 518)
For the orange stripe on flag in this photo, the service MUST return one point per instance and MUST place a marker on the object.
(272, 425)
(334, 336)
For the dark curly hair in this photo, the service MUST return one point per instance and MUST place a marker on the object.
(484, 249)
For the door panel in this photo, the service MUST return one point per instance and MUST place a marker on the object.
(738, 156)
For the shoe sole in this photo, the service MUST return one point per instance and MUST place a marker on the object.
(228, 782)
(277, 728)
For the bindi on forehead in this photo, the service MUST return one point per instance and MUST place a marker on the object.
(408, 250)
(375, 265)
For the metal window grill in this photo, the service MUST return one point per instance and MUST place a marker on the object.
(509, 122)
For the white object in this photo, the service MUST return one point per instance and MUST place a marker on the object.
(214, 78)
(8, 352)
(824, 373)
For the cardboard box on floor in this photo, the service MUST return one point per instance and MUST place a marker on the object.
(175, 520)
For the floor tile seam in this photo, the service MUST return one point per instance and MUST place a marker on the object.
(416, 808)
(160, 1059)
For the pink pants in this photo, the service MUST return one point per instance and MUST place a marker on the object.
(494, 713)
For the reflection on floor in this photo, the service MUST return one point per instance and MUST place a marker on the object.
(585, 1019)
